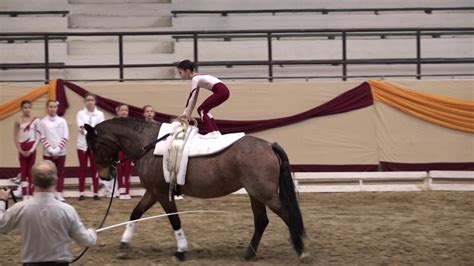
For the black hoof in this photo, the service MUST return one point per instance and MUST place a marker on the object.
(124, 251)
(180, 256)
(250, 254)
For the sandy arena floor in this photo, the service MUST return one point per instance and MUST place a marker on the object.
(435, 228)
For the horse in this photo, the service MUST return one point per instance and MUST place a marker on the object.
(262, 168)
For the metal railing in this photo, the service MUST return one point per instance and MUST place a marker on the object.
(63, 13)
(269, 36)
(323, 11)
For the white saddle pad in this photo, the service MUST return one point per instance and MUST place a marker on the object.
(198, 146)
(195, 146)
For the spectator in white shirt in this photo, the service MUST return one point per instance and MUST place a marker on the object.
(54, 136)
(46, 224)
(89, 115)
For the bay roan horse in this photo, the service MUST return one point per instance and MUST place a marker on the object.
(262, 168)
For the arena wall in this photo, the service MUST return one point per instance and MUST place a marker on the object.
(361, 137)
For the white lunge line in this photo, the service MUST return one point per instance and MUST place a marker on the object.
(157, 216)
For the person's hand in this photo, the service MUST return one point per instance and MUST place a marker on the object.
(183, 116)
(4, 194)
(27, 153)
(54, 151)
(23, 153)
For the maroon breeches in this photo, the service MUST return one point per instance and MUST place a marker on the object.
(123, 173)
(83, 155)
(220, 95)
(26, 163)
(59, 161)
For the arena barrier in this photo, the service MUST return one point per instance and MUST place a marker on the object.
(342, 182)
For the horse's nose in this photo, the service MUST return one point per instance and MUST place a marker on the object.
(108, 178)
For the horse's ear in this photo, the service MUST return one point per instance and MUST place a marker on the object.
(90, 130)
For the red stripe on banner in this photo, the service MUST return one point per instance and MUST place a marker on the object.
(392, 166)
(334, 168)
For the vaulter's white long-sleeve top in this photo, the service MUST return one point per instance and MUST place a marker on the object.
(85, 117)
(199, 81)
(54, 135)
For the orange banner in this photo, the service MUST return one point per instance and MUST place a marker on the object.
(441, 110)
(9, 108)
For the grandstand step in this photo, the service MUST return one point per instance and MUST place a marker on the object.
(325, 49)
(118, 22)
(122, 9)
(32, 24)
(113, 59)
(32, 52)
(111, 47)
(311, 21)
(30, 5)
(275, 4)
(116, 1)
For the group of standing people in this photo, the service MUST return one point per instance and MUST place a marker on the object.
(52, 131)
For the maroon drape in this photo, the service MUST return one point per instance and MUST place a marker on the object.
(354, 99)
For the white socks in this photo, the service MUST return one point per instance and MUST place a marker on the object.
(129, 231)
(181, 240)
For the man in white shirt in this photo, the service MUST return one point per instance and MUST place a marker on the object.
(46, 224)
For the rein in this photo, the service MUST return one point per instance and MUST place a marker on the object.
(136, 155)
(115, 164)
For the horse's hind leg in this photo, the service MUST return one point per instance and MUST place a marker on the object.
(181, 241)
(275, 205)
(260, 223)
(145, 203)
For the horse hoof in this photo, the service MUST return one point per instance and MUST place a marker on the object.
(305, 258)
(250, 255)
(124, 246)
(179, 256)
(124, 251)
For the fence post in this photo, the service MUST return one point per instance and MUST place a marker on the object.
(418, 54)
(195, 49)
(120, 39)
(270, 57)
(46, 59)
(344, 56)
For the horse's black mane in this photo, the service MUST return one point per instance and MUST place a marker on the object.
(130, 122)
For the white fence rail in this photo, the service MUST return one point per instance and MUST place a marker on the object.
(338, 182)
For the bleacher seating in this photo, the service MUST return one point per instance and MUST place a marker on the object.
(155, 15)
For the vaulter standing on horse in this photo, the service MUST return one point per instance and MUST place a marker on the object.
(186, 70)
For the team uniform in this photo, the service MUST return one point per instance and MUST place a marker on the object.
(220, 95)
(83, 152)
(28, 135)
(54, 136)
(124, 170)
(50, 225)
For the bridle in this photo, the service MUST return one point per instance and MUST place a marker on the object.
(134, 156)
(115, 164)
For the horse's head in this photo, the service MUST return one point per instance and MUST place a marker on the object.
(105, 149)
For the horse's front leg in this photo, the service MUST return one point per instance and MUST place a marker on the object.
(181, 241)
(145, 203)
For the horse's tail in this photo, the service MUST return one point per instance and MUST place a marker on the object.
(289, 202)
